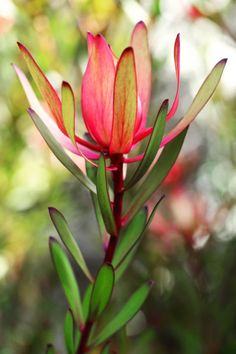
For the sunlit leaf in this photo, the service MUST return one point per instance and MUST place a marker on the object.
(103, 197)
(152, 147)
(157, 174)
(67, 279)
(69, 332)
(60, 153)
(124, 315)
(67, 238)
(102, 290)
(68, 109)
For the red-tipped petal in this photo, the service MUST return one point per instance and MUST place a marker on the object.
(97, 91)
(44, 116)
(125, 104)
(48, 93)
(139, 43)
(177, 71)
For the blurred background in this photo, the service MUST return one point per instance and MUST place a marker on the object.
(190, 250)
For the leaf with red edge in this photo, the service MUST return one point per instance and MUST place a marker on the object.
(68, 109)
(202, 97)
(175, 104)
(47, 91)
(125, 104)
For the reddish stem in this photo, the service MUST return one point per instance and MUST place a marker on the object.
(117, 174)
(116, 161)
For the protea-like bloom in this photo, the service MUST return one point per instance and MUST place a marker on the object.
(115, 98)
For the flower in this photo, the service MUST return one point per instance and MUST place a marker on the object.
(115, 98)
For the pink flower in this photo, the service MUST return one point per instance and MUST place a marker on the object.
(115, 98)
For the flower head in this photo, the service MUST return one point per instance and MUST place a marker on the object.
(115, 98)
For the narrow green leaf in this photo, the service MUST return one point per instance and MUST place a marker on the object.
(129, 235)
(69, 332)
(86, 301)
(92, 174)
(60, 153)
(67, 238)
(152, 147)
(123, 263)
(157, 174)
(103, 197)
(102, 291)
(106, 349)
(67, 279)
(50, 349)
(124, 315)
(68, 109)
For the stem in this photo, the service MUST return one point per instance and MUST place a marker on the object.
(118, 182)
(117, 161)
(85, 335)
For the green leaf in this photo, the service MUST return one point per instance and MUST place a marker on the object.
(67, 279)
(69, 332)
(106, 349)
(125, 314)
(50, 349)
(129, 235)
(152, 147)
(103, 197)
(123, 263)
(157, 174)
(67, 238)
(102, 291)
(86, 301)
(68, 109)
(202, 97)
(92, 174)
(60, 153)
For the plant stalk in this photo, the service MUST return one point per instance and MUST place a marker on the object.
(118, 185)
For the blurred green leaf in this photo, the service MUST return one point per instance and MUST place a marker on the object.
(67, 279)
(67, 238)
(152, 147)
(124, 315)
(68, 109)
(129, 236)
(60, 153)
(103, 197)
(157, 174)
(102, 291)
(69, 332)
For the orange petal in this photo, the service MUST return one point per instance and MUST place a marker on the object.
(125, 104)
(48, 93)
(139, 43)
